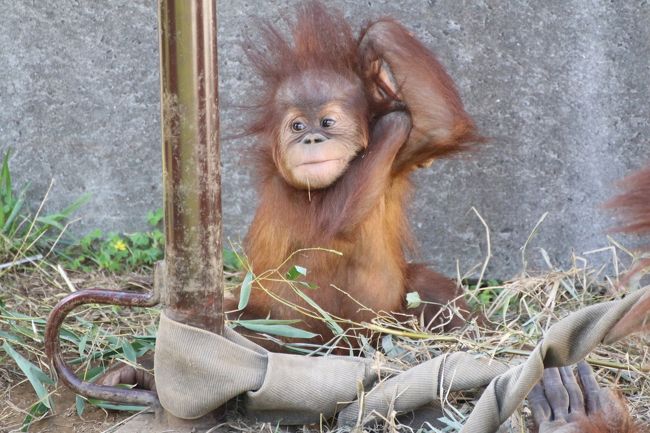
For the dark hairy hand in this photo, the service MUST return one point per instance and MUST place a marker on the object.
(562, 403)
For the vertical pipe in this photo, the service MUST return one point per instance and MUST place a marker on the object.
(193, 272)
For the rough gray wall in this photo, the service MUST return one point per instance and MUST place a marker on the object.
(560, 86)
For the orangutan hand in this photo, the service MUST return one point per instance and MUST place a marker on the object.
(560, 404)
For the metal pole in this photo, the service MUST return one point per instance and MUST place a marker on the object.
(190, 282)
(193, 280)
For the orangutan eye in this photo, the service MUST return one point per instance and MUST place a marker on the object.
(326, 123)
(297, 126)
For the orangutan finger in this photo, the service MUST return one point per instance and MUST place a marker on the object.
(556, 393)
(590, 387)
(576, 400)
(539, 405)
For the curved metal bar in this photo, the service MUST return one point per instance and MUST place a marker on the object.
(53, 346)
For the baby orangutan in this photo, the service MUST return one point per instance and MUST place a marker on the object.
(341, 125)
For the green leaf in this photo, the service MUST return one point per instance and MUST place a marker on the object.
(268, 321)
(70, 336)
(158, 236)
(82, 343)
(76, 204)
(231, 260)
(128, 351)
(11, 337)
(5, 177)
(42, 376)
(52, 220)
(20, 316)
(15, 209)
(147, 339)
(295, 272)
(280, 330)
(390, 349)
(144, 349)
(112, 339)
(93, 373)
(245, 292)
(35, 375)
(139, 239)
(331, 323)
(25, 331)
(154, 218)
(80, 404)
(112, 406)
(153, 255)
(35, 412)
(87, 240)
(413, 300)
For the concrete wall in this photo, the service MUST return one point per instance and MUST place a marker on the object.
(560, 86)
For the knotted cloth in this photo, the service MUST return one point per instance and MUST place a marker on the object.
(197, 371)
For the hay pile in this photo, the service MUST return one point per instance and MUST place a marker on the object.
(518, 310)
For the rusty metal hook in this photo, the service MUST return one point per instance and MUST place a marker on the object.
(65, 373)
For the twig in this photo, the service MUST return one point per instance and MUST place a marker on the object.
(30, 259)
(489, 248)
(530, 237)
(64, 275)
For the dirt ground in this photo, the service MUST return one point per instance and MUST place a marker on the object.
(34, 293)
(65, 419)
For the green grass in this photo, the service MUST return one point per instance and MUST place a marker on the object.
(117, 252)
(26, 237)
(92, 339)
(23, 234)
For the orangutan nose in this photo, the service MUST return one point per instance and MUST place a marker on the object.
(313, 139)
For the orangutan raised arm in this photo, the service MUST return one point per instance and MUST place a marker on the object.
(351, 199)
(399, 68)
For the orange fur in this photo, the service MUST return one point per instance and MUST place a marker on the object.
(634, 206)
(363, 214)
(634, 202)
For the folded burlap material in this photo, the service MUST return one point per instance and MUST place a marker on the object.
(197, 371)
